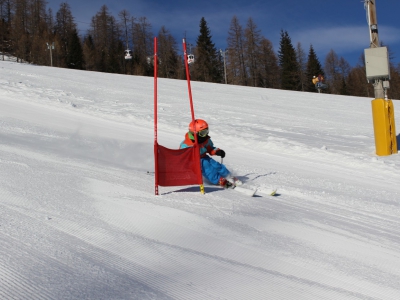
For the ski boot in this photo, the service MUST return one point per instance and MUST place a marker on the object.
(234, 180)
(225, 183)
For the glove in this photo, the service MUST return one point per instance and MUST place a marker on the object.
(220, 153)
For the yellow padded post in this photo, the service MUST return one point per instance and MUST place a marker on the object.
(384, 127)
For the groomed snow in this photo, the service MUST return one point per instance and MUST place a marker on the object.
(79, 218)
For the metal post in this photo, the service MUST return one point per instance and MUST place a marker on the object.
(51, 54)
(51, 57)
(374, 42)
(223, 53)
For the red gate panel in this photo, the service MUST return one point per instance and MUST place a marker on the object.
(178, 166)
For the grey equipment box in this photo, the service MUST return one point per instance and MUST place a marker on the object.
(377, 63)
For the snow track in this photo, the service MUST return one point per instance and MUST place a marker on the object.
(79, 218)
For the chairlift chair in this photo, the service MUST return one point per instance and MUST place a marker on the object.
(128, 54)
(190, 58)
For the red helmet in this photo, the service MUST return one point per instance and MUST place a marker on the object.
(200, 126)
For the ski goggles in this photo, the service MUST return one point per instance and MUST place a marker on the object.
(203, 133)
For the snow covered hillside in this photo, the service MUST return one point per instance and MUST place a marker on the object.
(79, 218)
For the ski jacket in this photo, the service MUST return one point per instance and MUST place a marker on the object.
(206, 146)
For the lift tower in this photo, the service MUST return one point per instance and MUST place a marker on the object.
(370, 6)
(378, 72)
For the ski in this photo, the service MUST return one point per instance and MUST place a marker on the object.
(237, 185)
(246, 191)
(251, 191)
(271, 192)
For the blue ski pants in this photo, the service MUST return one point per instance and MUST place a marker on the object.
(213, 170)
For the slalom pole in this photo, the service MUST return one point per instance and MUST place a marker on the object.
(155, 119)
(192, 111)
(188, 79)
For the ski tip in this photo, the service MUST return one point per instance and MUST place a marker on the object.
(268, 191)
(246, 191)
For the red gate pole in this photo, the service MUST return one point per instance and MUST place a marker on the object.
(196, 145)
(188, 79)
(155, 63)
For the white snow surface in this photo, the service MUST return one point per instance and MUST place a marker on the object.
(79, 218)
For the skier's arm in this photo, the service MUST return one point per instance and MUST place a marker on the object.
(214, 150)
(220, 152)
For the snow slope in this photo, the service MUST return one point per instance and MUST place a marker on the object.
(79, 218)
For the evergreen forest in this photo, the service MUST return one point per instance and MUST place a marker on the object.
(35, 34)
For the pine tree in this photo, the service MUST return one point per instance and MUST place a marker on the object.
(142, 39)
(167, 54)
(268, 64)
(288, 63)
(357, 83)
(106, 34)
(236, 69)
(343, 88)
(207, 65)
(19, 31)
(74, 58)
(124, 17)
(89, 53)
(394, 91)
(301, 59)
(252, 46)
(314, 68)
(5, 26)
(64, 28)
(116, 47)
(336, 70)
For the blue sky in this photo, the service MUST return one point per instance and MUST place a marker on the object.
(340, 25)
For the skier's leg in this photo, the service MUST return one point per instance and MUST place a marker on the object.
(213, 170)
(208, 171)
(221, 168)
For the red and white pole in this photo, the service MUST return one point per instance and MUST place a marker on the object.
(196, 144)
(155, 62)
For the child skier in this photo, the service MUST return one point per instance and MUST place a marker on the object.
(212, 170)
(315, 81)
